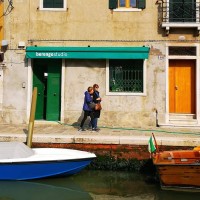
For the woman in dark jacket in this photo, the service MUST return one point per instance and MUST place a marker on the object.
(96, 99)
(88, 99)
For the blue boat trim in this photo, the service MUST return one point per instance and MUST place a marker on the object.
(37, 170)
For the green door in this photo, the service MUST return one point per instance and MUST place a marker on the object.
(54, 91)
(47, 78)
(39, 82)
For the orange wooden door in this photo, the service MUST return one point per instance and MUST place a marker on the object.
(182, 86)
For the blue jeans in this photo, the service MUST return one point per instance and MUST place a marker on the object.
(93, 123)
(95, 120)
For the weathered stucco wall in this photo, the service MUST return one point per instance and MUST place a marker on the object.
(84, 24)
(81, 21)
(14, 89)
(117, 110)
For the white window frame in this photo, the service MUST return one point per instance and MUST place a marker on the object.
(54, 9)
(127, 10)
(126, 93)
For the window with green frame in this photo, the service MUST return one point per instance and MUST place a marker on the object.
(126, 76)
(114, 4)
(53, 3)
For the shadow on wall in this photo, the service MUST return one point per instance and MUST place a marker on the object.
(25, 131)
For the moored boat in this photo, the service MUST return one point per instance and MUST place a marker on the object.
(177, 169)
(19, 162)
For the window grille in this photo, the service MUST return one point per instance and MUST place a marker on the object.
(126, 76)
(182, 51)
(180, 11)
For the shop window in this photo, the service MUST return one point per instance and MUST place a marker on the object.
(126, 76)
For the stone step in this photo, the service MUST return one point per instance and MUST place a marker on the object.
(181, 116)
(193, 126)
(183, 121)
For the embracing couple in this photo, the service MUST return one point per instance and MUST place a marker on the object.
(91, 107)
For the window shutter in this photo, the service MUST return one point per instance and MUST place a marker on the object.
(141, 4)
(112, 4)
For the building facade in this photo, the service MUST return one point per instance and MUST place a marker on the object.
(143, 54)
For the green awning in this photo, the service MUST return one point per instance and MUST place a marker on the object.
(87, 52)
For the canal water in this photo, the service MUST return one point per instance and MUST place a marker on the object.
(91, 185)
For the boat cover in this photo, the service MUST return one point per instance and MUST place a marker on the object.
(10, 150)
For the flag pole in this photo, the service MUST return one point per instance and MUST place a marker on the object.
(155, 143)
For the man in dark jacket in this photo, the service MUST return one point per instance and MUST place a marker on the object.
(97, 100)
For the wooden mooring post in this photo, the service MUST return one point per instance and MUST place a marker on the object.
(32, 117)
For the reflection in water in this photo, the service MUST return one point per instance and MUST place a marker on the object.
(88, 185)
(21, 190)
(126, 186)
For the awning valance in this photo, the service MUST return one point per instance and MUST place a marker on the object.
(87, 52)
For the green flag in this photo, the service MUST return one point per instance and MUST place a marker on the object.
(151, 145)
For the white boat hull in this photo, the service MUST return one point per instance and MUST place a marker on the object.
(42, 163)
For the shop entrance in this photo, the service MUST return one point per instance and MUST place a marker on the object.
(47, 79)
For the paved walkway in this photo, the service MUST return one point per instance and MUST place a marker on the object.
(63, 133)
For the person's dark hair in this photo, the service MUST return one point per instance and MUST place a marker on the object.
(95, 85)
(90, 89)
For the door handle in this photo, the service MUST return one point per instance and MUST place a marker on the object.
(54, 94)
(176, 87)
(38, 94)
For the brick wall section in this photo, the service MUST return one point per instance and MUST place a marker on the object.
(139, 152)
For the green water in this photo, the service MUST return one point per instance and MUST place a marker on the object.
(91, 185)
